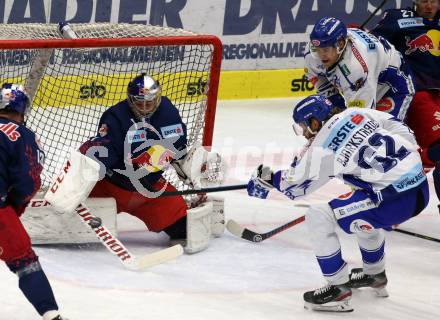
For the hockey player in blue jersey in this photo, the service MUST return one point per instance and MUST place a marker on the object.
(21, 162)
(367, 71)
(377, 156)
(415, 32)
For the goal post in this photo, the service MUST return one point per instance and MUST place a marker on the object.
(72, 81)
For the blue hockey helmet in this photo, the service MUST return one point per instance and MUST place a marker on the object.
(13, 97)
(314, 106)
(327, 32)
(144, 95)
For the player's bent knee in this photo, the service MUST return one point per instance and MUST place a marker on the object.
(25, 264)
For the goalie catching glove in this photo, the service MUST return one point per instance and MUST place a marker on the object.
(200, 168)
(261, 182)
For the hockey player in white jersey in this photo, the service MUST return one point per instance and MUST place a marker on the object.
(368, 71)
(375, 154)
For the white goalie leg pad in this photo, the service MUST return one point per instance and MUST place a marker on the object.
(45, 226)
(198, 228)
(217, 216)
(74, 184)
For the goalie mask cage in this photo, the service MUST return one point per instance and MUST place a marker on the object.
(71, 82)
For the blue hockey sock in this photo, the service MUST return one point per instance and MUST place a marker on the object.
(35, 286)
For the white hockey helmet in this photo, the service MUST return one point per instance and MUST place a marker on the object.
(14, 98)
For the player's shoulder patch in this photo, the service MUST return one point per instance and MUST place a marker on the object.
(174, 130)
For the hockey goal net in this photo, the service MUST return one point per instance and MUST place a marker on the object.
(71, 82)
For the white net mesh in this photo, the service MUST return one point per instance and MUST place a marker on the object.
(71, 87)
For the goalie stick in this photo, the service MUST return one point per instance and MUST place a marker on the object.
(112, 244)
(244, 233)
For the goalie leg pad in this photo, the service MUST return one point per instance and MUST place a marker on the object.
(45, 226)
(198, 228)
(217, 216)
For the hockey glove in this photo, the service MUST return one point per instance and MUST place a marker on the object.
(200, 168)
(260, 183)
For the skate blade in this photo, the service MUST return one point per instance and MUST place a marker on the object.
(381, 292)
(337, 306)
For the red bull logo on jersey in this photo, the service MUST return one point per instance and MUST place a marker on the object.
(427, 42)
(142, 159)
(155, 159)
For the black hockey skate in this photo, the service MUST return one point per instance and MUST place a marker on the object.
(59, 318)
(53, 315)
(358, 279)
(334, 298)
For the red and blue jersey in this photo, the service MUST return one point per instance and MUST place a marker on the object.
(123, 145)
(418, 40)
(21, 163)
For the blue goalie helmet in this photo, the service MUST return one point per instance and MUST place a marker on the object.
(314, 106)
(144, 95)
(327, 32)
(13, 97)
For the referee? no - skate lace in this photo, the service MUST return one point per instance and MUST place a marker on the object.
(357, 275)
(322, 290)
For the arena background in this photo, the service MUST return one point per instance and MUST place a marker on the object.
(263, 40)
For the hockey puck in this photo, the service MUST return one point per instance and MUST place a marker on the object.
(95, 222)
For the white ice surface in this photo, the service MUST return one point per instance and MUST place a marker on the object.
(235, 279)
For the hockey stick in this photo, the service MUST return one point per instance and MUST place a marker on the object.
(204, 190)
(410, 233)
(244, 233)
(237, 230)
(39, 64)
(373, 14)
(417, 235)
(112, 244)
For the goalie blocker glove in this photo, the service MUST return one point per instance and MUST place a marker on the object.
(261, 182)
